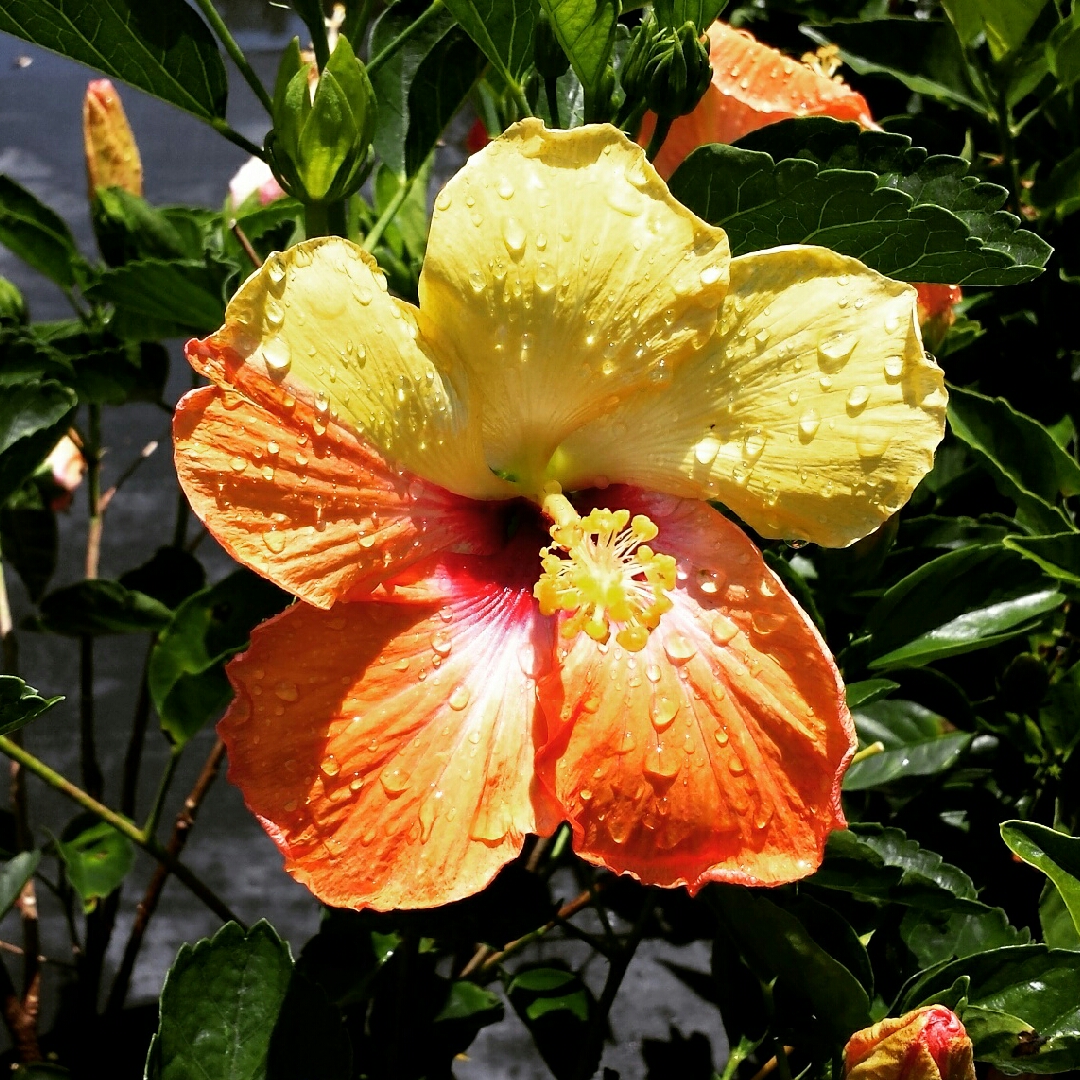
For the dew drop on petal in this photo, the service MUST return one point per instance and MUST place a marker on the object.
(894, 367)
(809, 423)
(662, 712)
(834, 352)
(857, 398)
(274, 540)
(722, 629)
(330, 765)
(277, 356)
(706, 450)
(459, 698)
(394, 780)
(287, 691)
(678, 649)
(443, 200)
(711, 275)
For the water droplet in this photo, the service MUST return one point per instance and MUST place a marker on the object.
(825, 382)
(443, 200)
(711, 275)
(722, 629)
(892, 323)
(459, 698)
(706, 450)
(754, 444)
(275, 541)
(661, 764)
(652, 673)
(330, 765)
(585, 794)
(766, 622)
(894, 367)
(441, 642)
(275, 270)
(277, 356)
(237, 464)
(663, 712)
(857, 399)
(427, 819)
(505, 188)
(834, 352)
(287, 691)
(809, 423)
(514, 237)
(793, 397)
(872, 440)
(735, 766)
(678, 649)
(275, 314)
(322, 401)
(394, 780)
(721, 736)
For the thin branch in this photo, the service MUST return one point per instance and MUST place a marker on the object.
(237, 139)
(133, 756)
(148, 905)
(392, 207)
(122, 825)
(126, 475)
(249, 251)
(236, 54)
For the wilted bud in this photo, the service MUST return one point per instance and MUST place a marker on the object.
(320, 147)
(12, 305)
(936, 312)
(112, 158)
(927, 1044)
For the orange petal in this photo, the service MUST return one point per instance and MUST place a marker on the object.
(716, 753)
(321, 516)
(388, 748)
(752, 85)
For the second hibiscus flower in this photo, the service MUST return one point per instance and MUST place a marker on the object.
(518, 606)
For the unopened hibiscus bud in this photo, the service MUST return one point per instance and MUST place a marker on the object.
(679, 72)
(254, 177)
(926, 1044)
(548, 55)
(320, 148)
(12, 305)
(112, 158)
(937, 311)
(67, 466)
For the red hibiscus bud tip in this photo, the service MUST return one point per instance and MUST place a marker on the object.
(112, 158)
(926, 1044)
(937, 311)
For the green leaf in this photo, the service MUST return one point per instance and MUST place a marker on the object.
(585, 29)
(162, 299)
(1005, 22)
(128, 228)
(968, 599)
(1059, 717)
(220, 1004)
(309, 1037)
(14, 874)
(1026, 464)
(186, 673)
(1063, 53)
(1018, 990)
(1058, 929)
(702, 13)
(557, 1008)
(1058, 555)
(28, 543)
(163, 48)
(96, 858)
(936, 935)
(863, 693)
(170, 575)
(781, 948)
(917, 743)
(19, 704)
(38, 235)
(33, 416)
(502, 28)
(925, 55)
(99, 606)
(868, 194)
(1056, 854)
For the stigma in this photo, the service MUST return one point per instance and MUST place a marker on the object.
(601, 568)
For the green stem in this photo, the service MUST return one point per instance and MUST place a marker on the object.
(392, 207)
(237, 139)
(394, 44)
(237, 56)
(551, 92)
(151, 826)
(326, 219)
(356, 25)
(660, 133)
(121, 824)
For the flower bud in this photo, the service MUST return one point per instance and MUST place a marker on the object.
(65, 468)
(680, 72)
(112, 158)
(550, 60)
(936, 312)
(320, 148)
(926, 1044)
(12, 305)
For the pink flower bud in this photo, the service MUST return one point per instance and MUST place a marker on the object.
(68, 467)
(936, 312)
(927, 1044)
(112, 158)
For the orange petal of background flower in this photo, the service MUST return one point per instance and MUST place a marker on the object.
(752, 85)
(318, 515)
(715, 754)
(388, 748)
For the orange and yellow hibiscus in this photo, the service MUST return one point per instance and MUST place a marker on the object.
(517, 605)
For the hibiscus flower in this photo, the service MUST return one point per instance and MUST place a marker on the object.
(517, 605)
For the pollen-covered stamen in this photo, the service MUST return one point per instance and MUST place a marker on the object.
(609, 575)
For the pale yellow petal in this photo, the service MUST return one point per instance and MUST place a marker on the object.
(561, 276)
(317, 320)
(812, 413)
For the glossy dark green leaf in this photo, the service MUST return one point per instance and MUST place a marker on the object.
(1015, 995)
(129, 228)
(557, 1008)
(863, 693)
(925, 55)
(28, 543)
(1056, 854)
(871, 195)
(14, 874)
(467, 1001)
(186, 673)
(1027, 465)
(1004, 22)
(310, 1041)
(585, 29)
(96, 858)
(163, 48)
(19, 704)
(170, 575)
(935, 934)
(778, 946)
(100, 606)
(38, 235)
(965, 600)
(33, 416)
(1058, 929)
(156, 298)
(1063, 53)
(502, 28)
(673, 13)
(219, 1006)
(1058, 554)
(1059, 717)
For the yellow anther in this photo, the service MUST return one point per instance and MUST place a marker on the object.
(825, 61)
(609, 574)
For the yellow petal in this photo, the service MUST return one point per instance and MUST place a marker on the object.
(813, 412)
(561, 276)
(317, 320)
